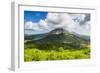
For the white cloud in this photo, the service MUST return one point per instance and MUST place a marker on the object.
(83, 29)
(81, 26)
(53, 18)
(78, 17)
(61, 20)
(31, 26)
(43, 24)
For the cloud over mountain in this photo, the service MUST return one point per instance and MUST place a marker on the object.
(78, 23)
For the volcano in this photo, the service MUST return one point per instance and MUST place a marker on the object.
(57, 38)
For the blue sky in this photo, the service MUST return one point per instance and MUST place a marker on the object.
(34, 16)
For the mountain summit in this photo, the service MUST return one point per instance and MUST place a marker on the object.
(57, 31)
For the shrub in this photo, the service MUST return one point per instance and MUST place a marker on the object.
(35, 54)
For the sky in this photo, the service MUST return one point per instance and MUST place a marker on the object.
(37, 22)
(35, 16)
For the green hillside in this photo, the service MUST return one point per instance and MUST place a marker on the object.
(56, 45)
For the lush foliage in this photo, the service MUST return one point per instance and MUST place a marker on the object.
(35, 54)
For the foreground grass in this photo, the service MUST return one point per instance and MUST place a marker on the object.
(35, 54)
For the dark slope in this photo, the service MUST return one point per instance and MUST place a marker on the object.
(57, 38)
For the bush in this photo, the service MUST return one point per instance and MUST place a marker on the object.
(35, 54)
(61, 49)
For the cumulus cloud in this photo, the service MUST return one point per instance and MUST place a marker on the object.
(81, 24)
(60, 20)
(53, 18)
(83, 29)
(43, 24)
(78, 23)
(31, 26)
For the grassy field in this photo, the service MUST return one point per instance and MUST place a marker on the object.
(35, 54)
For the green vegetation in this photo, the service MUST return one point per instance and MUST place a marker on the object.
(35, 54)
(52, 46)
